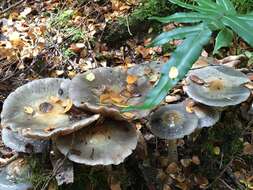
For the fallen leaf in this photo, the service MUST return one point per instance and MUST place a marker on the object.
(131, 79)
(248, 149)
(186, 162)
(90, 77)
(67, 104)
(216, 150)
(173, 73)
(195, 160)
(49, 128)
(29, 110)
(55, 99)
(197, 80)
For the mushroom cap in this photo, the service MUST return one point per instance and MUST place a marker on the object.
(37, 109)
(13, 176)
(223, 86)
(207, 115)
(19, 143)
(93, 89)
(173, 122)
(104, 144)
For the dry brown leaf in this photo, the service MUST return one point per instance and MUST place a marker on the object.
(67, 104)
(195, 160)
(248, 149)
(172, 168)
(49, 128)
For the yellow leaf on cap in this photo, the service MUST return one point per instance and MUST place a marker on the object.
(90, 77)
(173, 73)
(29, 110)
(131, 79)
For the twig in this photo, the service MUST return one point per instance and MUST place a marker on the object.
(5, 162)
(128, 28)
(11, 7)
(228, 186)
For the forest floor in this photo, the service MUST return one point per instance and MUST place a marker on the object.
(54, 38)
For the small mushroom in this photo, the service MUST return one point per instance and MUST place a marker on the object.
(107, 90)
(107, 143)
(39, 109)
(14, 176)
(222, 86)
(207, 115)
(19, 143)
(173, 122)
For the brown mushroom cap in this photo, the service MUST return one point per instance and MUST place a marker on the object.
(14, 175)
(223, 86)
(207, 115)
(38, 109)
(107, 90)
(22, 144)
(173, 122)
(104, 144)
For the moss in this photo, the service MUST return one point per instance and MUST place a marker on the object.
(138, 21)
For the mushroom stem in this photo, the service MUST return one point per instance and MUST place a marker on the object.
(172, 150)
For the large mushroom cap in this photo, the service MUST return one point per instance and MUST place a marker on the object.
(207, 115)
(14, 176)
(108, 143)
(107, 90)
(38, 109)
(19, 143)
(220, 86)
(173, 122)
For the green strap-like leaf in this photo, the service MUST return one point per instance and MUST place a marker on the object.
(239, 26)
(210, 5)
(193, 7)
(223, 39)
(191, 17)
(183, 58)
(177, 33)
(227, 4)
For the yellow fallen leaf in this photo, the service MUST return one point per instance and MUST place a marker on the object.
(216, 150)
(90, 77)
(173, 73)
(55, 99)
(29, 110)
(131, 79)
(67, 104)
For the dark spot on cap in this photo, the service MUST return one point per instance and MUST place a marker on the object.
(60, 92)
(45, 107)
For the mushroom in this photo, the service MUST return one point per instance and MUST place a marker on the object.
(207, 115)
(217, 86)
(19, 143)
(103, 144)
(39, 109)
(107, 90)
(172, 122)
(14, 176)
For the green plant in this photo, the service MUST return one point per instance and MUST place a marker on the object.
(208, 17)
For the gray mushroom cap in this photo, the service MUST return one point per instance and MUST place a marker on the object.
(104, 144)
(223, 86)
(31, 111)
(207, 115)
(173, 122)
(19, 143)
(87, 89)
(14, 175)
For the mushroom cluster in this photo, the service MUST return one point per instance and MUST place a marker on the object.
(81, 119)
(78, 119)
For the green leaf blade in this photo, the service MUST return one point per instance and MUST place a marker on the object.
(242, 28)
(183, 58)
(223, 39)
(227, 4)
(175, 34)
